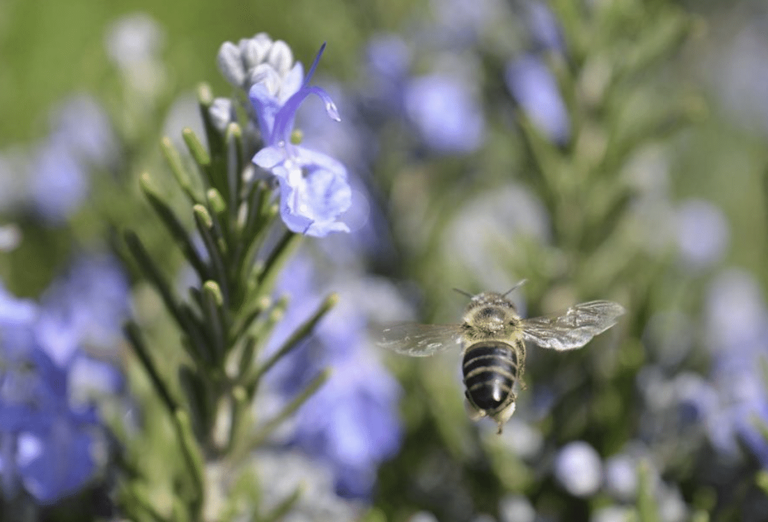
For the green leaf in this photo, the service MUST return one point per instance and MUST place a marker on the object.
(210, 236)
(212, 134)
(194, 388)
(283, 508)
(761, 479)
(268, 427)
(277, 260)
(196, 148)
(192, 456)
(216, 321)
(174, 226)
(175, 162)
(646, 503)
(235, 166)
(300, 333)
(133, 334)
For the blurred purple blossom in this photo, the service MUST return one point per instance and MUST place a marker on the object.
(702, 233)
(460, 24)
(48, 426)
(351, 423)
(313, 187)
(85, 307)
(544, 26)
(446, 113)
(45, 444)
(736, 322)
(83, 126)
(59, 182)
(578, 469)
(535, 89)
(388, 62)
(621, 477)
(81, 140)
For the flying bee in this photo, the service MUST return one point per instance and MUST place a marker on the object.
(492, 338)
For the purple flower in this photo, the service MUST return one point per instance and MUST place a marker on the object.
(351, 423)
(80, 140)
(48, 427)
(59, 181)
(84, 127)
(85, 307)
(313, 187)
(535, 89)
(737, 325)
(545, 28)
(45, 445)
(702, 233)
(446, 114)
(579, 469)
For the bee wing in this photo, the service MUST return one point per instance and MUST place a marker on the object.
(420, 340)
(574, 328)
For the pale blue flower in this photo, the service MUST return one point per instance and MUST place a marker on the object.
(351, 423)
(535, 89)
(81, 140)
(59, 181)
(544, 26)
(314, 190)
(447, 115)
(46, 445)
(388, 61)
(736, 322)
(48, 427)
(702, 233)
(578, 469)
(621, 476)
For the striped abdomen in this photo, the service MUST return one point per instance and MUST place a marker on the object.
(490, 371)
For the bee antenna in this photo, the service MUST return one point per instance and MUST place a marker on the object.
(462, 292)
(518, 285)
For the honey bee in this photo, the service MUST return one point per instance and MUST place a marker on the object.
(492, 338)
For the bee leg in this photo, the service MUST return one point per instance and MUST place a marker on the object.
(501, 417)
(473, 412)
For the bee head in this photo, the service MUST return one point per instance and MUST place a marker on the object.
(489, 299)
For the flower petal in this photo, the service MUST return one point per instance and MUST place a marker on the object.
(269, 157)
(267, 107)
(311, 204)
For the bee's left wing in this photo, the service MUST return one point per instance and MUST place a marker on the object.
(420, 340)
(573, 329)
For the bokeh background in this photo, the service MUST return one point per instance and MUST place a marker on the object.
(598, 149)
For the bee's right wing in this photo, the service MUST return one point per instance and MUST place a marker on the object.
(574, 328)
(420, 340)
